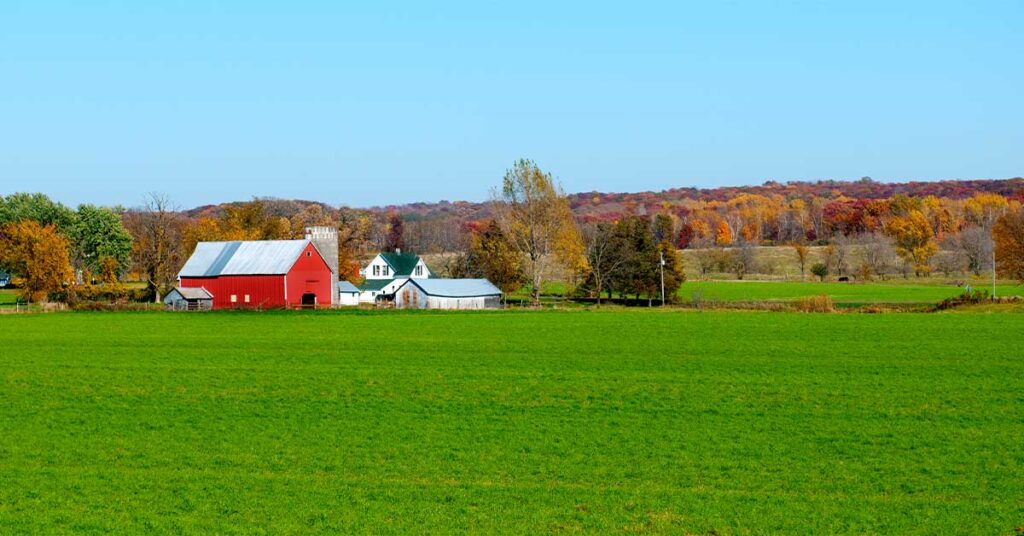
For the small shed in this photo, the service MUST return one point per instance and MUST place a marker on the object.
(189, 299)
(448, 294)
(348, 294)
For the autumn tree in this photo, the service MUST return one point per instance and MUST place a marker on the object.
(156, 229)
(801, 252)
(673, 270)
(38, 208)
(1008, 234)
(491, 256)
(38, 255)
(396, 233)
(912, 235)
(534, 214)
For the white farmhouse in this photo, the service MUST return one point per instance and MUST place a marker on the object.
(388, 271)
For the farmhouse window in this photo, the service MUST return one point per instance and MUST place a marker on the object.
(385, 270)
(376, 269)
(419, 270)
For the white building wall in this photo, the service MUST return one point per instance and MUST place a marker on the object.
(348, 299)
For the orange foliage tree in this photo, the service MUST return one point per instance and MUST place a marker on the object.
(1008, 234)
(38, 255)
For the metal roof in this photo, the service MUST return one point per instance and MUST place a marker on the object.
(345, 286)
(457, 288)
(193, 293)
(257, 257)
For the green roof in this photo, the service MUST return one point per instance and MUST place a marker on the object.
(374, 284)
(401, 263)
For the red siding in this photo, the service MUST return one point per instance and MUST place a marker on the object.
(265, 291)
(310, 274)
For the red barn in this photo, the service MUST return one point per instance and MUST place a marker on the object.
(260, 274)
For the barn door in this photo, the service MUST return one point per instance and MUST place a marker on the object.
(309, 300)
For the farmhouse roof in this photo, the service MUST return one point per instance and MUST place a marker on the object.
(193, 293)
(256, 257)
(457, 288)
(345, 286)
(401, 263)
(375, 284)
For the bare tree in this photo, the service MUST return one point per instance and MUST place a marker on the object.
(975, 243)
(156, 228)
(877, 254)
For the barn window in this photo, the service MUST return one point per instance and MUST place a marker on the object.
(246, 298)
(309, 253)
(234, 298)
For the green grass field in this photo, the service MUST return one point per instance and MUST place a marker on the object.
(516, 422)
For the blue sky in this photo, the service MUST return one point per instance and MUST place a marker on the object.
(386, 102)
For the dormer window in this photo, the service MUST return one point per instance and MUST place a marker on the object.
(376, 269)
(419, 269)
(385, 270)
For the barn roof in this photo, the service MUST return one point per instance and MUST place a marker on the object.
(457, 288)
(401, 263)
(193, 293)
(345, 286)
(256, 257)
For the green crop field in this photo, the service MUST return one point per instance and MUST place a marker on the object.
(8, 297)
(517, 422)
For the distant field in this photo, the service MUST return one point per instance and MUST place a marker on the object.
(518, 422)
(841, 293)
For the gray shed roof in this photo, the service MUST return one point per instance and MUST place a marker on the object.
(457, 288)
(257, 257)
(345, 286)
(193, 293)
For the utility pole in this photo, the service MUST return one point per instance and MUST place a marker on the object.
(661, 255)
(993, 268)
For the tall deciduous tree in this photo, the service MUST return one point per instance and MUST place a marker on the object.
(38, 255)
(396, 233)
(98, 234)
(912, 235)
(490, 255)
(1008, 234)
(157, 232)
(801, 252)
(534, 214)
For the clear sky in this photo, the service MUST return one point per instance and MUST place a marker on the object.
(367, 103)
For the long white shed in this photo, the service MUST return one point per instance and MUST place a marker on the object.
(448, 294)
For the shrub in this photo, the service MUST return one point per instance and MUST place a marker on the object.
(815, 304)
(819, 270)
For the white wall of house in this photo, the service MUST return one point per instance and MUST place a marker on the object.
(348, 299)
(378, 269)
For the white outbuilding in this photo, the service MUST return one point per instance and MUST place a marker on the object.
(448, 294)
(348, 294)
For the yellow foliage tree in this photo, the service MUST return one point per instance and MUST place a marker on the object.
(723, 234)
(913, 238)
(38, 255)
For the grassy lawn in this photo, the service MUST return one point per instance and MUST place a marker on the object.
(516, 422)
(8, 296)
